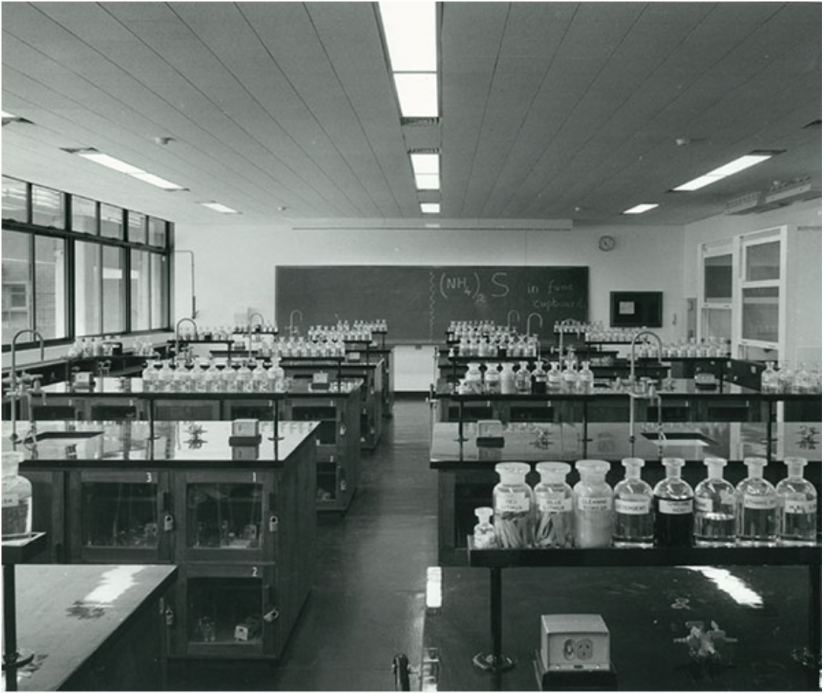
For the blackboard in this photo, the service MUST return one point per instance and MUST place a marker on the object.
(419, 302)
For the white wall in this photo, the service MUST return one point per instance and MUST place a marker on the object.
(805, 277)
(234, 266)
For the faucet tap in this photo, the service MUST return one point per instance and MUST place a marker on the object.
(510, 315)
(16, 391)
(642, 333)
(568, 321)
(292, 319)
(530, 321)
(249, 330)
(634, 341)
(177, 333)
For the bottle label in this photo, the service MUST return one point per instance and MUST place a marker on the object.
(759, 502)
(554, 503)
(727, 498)
(632, 507)
(704, 505)
(598, 505)
(512, 503)
(800, 507)
(11, 500)
(676, 507)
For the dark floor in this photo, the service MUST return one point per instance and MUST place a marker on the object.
(368, 603)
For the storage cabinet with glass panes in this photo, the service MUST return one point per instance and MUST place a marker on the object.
(239, 521)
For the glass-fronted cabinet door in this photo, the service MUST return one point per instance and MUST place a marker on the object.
(120, 516)
(760, 315)
(227, 516)
(716, 269)
(227, 610)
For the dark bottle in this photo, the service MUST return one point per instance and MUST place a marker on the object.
(539, 379)
(673, 507)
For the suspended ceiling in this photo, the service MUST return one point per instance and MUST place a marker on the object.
(286, 111)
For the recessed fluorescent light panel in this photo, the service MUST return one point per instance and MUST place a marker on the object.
(111, 162)
(409, 28)
(640, 209)
(417, 94)
(152, 179)
(218, 207)
(427, 181)
(424, 163)
(431, 208)
(7, 115)
(728, 169)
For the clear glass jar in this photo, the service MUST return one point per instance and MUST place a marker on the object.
(797, 505)
(756, 503)
(554, 520)
(554, 378)
(150, 377)
(492, 379)
(586, 378)
(508, 379)
(513, 506)
(472, 379)
(633, 505)
(593, 505)
(181, 380)
(673, 507)
(484, 534)
(524, 382)
(714, 507)
(17, 498)
(275, 376)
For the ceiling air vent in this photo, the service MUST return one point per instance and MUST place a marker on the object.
(421, 121)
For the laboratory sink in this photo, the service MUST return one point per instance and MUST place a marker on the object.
(66, 435)
(680, 438)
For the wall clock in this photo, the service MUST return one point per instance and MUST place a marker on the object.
(607, 243)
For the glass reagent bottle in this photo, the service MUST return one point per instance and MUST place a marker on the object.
(756, 506)
(593, 503)
(633, 505)
(797, 505)
(513, 506)
(484, 534)
(673, 499)
(554, 507)
(715, 507)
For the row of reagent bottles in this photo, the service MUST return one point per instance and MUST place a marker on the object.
(504, 379)
(800, 381)
(671, 514)
(159, 376)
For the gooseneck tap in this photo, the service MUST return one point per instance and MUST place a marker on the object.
(249, 331)
(177, 333)
(655, 395)
(292, 319)
(512, 313)
(568, 321)
(15, 390)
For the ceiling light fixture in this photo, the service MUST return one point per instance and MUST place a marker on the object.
(427, 181)
(424, 163)
(409, 28)
(218, 207)
(431, 208)
(91, 154)
(728, 169)
(641, 208)
(417, 94)
(157, 181)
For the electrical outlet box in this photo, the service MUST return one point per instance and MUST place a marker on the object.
(572, 642)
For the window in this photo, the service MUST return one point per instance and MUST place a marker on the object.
(141, 290)
(157, 232)
(48, 208)
(111, 221)
(137, 227)
(15, 199)
(84, 215)
(160, 291)
(114, 290)
(67, 286)
(17, 283)
(50, 287)
(87, 286)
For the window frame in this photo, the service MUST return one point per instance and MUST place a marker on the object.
(72, 237)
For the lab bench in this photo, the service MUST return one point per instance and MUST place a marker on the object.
(94, 627)
(338, 409)
(466, 470)
(237, 517)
